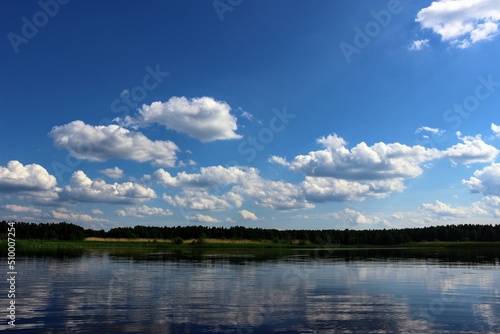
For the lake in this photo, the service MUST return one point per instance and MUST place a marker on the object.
(259, 291)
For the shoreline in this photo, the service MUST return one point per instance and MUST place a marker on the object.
(143, 243)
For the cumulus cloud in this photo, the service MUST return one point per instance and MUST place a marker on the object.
(349, 218)
(472, 150)
(82, 189)
(236, 184)
(101, 143)
(485, 181)
(245, 182)
(491, 205)
(442, 210)
(113, 173)
(419, 45)
(17, 178)
(201, 118)
(355, 219)
(201, 199)
(325, 189)
(334, 174)
(277, 195)
(208, 177)
(63, 214)
(142, 211)
(248, 215)
(362, 162)
(21, 208)
(337, 173)
(462, 22)
(199, 218)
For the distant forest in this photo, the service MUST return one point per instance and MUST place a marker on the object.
(68, 231)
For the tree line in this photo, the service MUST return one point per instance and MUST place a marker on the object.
(68, 231)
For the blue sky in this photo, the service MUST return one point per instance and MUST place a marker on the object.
(289, 114)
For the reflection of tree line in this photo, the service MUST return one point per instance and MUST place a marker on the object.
(67, 231)
(474, 255)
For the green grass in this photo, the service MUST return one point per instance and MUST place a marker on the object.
(55, 245)
(33, 245)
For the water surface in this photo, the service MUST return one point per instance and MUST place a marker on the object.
(293, 291)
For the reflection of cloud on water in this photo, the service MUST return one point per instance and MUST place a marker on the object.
(362, 314)
(486, 314)
(231, 296)
(162, 296)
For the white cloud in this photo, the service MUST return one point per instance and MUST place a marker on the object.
(82, 189)
(247, 215)
(323, 189)
(362, 162)
(201, 199)
(435, 131)
(278, 160)
(485, 181)
(337, 173)
(142, 211)
(63, 214)
(199, 218)
(101, 143)
(278, 195)
(202, 118)
(472, 150)
(398, 215)
(246, 114)
(419, 45)
(245, 182)
(491, 205)
(208, 177)
(357, 220)
(97, 212)
(21, 208)
(351, 217)
(17, 178)
(462, 22)
(113, 173)
(348, 218)
(496, 129)
(441, 210)
(320, 189)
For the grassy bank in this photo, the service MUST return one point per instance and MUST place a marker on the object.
(122, 243)
(141, 243)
